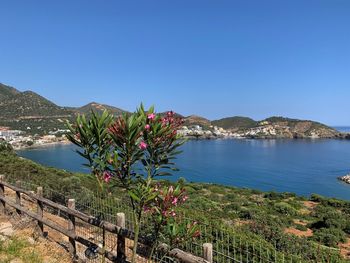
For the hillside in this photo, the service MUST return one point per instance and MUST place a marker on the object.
(298, 225)
(99, 108)
(7, 92)
(236, 122)
(276, 127)
(30, 112)
(34, 114)
(197, 120)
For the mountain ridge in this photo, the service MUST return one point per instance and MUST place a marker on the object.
(31, 112)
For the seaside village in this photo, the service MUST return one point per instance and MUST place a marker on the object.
(218, 132)
(20, 139)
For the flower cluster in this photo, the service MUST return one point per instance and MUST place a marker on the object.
(166, 202)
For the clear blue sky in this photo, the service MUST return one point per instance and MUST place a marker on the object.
(212, 58)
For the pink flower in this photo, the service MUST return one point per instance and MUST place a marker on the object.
(151, 116)
(143, 145)
(172, 213)
(107, 176)
(147, 127)
(184, 198)
(146, 209)
(174, 202)
(170, 113)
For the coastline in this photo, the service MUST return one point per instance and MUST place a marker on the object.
(345, 136)
(41, 145)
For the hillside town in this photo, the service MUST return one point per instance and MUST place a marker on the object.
(263, 130)
(19, 139)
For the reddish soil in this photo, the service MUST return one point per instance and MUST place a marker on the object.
(345, 249)
(310, 204)
(299, 233)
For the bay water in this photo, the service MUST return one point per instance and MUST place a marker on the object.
(300, 166)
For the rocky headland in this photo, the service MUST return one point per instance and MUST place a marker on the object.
(271, 128)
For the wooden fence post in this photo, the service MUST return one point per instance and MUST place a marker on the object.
(71, 228)
(18, 197)
(2, 194)
(40, 211)
(208, 252)
(120, 239)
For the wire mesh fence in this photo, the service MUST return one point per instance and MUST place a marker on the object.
(228, 246)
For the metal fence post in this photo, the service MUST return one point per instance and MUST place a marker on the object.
(2, 194)
(121, 239)
(208, 252)
(40, 211)
(71, 228)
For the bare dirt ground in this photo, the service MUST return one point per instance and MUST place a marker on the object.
(48, 251)
(299, 233)
(310, 204)
(54, 248)
(345, 249)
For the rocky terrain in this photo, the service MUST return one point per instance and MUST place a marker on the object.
(345, 178)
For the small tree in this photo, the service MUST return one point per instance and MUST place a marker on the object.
(130, 152)
(5, 146)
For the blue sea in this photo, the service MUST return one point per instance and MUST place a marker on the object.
(299, 166)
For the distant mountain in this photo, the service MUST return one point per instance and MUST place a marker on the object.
(197, 120)
(295, 128)
(276, 127)
(30, 112)
(7, 92)
(236, 122)
(99, 108)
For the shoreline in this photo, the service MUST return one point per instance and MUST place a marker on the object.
(43, 145)
(195, 138)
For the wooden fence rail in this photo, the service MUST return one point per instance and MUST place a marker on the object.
(119, 229)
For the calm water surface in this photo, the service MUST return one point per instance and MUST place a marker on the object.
(300, 166)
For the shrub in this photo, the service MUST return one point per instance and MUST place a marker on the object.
(329, 236)
(316, 198)
(301, 227)
(5, 146)
(285, 209)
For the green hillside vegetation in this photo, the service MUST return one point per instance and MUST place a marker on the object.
(29, 104)
(251, 215)
(236, 122)
(34, 114)
(30, 112)
(98, 108)
(197, 120)
(7, 92)
(293, 122)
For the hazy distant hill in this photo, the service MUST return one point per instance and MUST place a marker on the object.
(277, 127)
(236, 122)
(30, 112)
(197, 120)
(97, 107)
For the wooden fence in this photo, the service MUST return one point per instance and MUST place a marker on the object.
(118, 229)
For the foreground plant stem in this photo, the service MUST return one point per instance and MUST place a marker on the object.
(136, 237)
